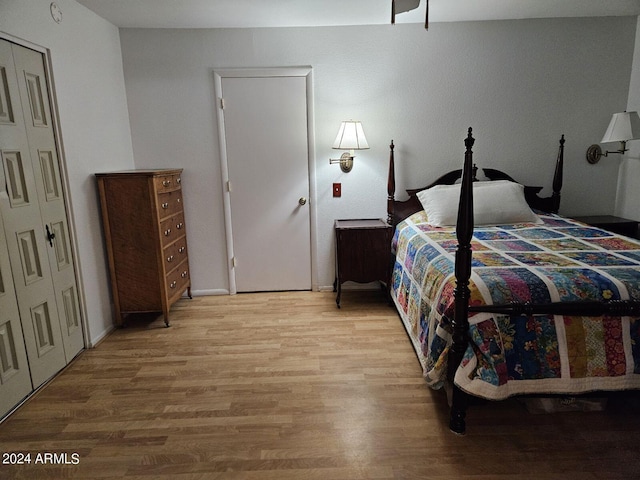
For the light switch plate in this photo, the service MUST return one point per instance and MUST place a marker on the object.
(337, 189)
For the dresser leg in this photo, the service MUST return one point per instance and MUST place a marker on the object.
(124, 319)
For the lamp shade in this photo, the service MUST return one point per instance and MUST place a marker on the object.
(623, 126)
(350, 137)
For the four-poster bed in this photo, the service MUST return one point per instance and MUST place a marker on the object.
(538, 304)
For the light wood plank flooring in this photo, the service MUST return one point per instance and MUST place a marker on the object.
(286, 386)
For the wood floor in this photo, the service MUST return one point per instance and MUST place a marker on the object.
(285, 386)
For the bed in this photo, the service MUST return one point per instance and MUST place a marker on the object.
(534, 304)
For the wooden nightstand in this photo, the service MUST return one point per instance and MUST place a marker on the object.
(622, 226)
(363, 249)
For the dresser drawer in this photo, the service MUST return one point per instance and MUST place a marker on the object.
(177, 280)
(175, 254)
(167, 183)
(171, 229)
(169, 203)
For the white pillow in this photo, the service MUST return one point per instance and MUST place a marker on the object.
(499, 202)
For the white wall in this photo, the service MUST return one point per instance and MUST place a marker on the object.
(519, 84)
(628, 200)
(87, 72)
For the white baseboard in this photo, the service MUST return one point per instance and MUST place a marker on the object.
(93, 342)
(204, 293)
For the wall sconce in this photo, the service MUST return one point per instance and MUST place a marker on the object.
(350, 137)
(622, 128)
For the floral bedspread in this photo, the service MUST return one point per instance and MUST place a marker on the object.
(559, 260)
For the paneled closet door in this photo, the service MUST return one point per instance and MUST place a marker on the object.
(35, 232)
(15, 378)
(25, 235)
(42, 150)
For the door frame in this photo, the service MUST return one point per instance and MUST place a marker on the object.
(64, 175)
(306, 72)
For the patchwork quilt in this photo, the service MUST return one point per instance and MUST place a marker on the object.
(558, 260)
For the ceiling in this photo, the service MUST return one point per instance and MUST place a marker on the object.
(312, 13)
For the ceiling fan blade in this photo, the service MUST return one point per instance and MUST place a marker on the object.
(406, 5)
(401, 6)
(426, 18)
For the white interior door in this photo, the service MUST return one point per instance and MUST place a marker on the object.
(36, 110)
(267, 154)
(25, 234)
(39, 277)
(15, 378)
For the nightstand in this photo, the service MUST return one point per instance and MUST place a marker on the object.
(622, 226)
(363, 249)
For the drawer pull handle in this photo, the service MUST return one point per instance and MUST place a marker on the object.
(165, 205)
(174, 284)
(178, 180)
(170, 258)
(167, 232)
(181, 250)
(166, 183)
(180, 225)
(184, 274)
(179, 200)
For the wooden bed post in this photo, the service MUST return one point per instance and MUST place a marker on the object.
(460, 335)
(391, 186)
(557, 179)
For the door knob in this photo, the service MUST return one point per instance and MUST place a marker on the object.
(302, 201)
(50, 235)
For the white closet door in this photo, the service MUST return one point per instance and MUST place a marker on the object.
(36, 263)
(44, 158)
(15, 378)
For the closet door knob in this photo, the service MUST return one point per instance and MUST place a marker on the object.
(50, 235)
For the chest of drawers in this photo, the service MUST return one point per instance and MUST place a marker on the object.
(145, 236)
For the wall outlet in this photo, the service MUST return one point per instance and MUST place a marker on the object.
(337, 189)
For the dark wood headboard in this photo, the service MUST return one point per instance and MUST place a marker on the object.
(399, 210)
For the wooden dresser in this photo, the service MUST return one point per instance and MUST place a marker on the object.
(143, 219)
